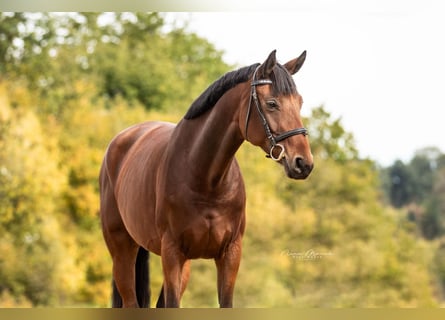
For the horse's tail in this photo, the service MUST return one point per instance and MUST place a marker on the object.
(143, 278)
(116, 297)
(142, 282)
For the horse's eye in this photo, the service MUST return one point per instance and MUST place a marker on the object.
(272, 104)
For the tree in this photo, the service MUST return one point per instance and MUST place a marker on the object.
(418, 187)
(328, 137)
(401, 188)
(332, 146)
(32, 247)
(422, 167)
(432, 222)
(70, 85)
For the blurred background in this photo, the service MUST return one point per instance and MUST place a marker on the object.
(358, 232)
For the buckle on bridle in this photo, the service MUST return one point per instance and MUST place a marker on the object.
(280, 155)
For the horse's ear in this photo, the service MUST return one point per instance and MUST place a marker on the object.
(266, 68)
(294, 65)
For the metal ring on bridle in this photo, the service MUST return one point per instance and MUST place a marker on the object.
(280, 156)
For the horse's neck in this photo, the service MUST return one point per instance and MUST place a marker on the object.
(211, 141)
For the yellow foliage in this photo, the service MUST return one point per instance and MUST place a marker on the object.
(8, 300)
(323, 242)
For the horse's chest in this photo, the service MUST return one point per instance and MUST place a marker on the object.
(207, 236)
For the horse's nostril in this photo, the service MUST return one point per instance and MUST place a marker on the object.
(302, 165)
(299, 164)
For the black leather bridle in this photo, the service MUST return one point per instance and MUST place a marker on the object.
(272, 139)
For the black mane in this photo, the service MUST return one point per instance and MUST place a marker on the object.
(282, 83)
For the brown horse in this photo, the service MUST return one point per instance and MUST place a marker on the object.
(177, 190)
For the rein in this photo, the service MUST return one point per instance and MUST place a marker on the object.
(272, 139)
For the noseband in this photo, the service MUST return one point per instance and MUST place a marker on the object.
(272, 139)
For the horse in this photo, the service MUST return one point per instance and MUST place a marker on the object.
(177, 190)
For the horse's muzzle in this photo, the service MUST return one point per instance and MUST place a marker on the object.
(298, 168)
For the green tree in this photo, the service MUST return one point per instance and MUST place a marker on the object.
(331, 146)
(418, 187)
(401, 188)
(328, 137)
(422, 166)
(433, 219)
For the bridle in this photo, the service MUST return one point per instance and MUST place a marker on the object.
(272, 139)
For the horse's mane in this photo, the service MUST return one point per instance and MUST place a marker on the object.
(211, 95)
(281, 79)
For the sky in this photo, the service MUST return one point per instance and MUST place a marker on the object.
(380, 66)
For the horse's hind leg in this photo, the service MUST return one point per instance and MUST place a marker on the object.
(122, 248)
(123, 251)
(124, 259)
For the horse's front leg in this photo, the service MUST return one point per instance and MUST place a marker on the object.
(227, 266)
(173, 263)
(184, 280)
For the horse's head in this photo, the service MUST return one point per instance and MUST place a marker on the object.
(272, 120)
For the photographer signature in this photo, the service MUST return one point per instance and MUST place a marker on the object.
(308, 255)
